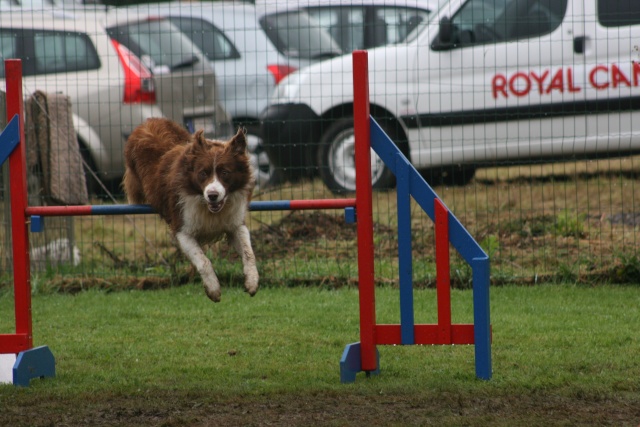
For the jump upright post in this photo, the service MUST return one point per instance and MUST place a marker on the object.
(363, 355)
(29, 362)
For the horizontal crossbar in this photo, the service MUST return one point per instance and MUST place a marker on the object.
(14, 343)
(274, 205)
(426, 334)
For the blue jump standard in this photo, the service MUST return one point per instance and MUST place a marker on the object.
(411, 183)
(37, 362)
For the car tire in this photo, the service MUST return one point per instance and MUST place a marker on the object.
(266, 173)
(336, 160)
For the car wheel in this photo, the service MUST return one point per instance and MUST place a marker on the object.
(336, 160)
(265, 172)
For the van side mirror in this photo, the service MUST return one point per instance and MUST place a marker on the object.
(444, 40)
(445, 33)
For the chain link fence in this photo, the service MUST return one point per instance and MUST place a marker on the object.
(568, 216)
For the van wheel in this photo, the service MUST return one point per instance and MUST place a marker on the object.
(265, 172)
(336, 160)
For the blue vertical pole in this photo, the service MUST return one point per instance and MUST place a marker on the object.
(481, 317)
(403, 189)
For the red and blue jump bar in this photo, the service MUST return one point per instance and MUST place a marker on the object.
(270, 205)
(37, 212)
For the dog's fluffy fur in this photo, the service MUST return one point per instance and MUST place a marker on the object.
(200, 187)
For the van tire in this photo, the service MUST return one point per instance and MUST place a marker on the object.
(336, 160)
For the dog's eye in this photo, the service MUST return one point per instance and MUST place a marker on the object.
(224, 172)
(202, 174)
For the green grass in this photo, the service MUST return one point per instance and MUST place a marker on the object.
(562, 355)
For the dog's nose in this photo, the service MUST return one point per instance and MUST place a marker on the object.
(213, 196)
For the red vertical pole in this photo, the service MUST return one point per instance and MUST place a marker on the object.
(18, 191)
(364, 210)
(443, 278)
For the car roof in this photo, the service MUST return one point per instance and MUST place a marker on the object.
(219, 11)
(78, 20)
(266, 6)
(238, 22)
(118, 16)
(177, 4)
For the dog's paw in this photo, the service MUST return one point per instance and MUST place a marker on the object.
(213, 294)
(251, 283)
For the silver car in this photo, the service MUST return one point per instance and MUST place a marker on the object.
(246, 62)
(114, 84)
(73, 54)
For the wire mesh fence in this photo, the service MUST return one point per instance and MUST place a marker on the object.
(521, 114)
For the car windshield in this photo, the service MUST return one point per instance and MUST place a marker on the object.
(158, 43)
(296, 35)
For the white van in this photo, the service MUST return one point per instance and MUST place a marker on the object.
(484, 81)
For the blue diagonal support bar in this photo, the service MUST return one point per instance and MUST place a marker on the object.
(9, 138)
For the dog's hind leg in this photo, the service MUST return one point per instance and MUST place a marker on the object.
(196, 255)
(241, 241)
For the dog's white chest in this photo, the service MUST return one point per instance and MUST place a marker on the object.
(200, 223)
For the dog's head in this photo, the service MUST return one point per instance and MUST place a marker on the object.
(218, 168)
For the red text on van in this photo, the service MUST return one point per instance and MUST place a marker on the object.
(600, 77)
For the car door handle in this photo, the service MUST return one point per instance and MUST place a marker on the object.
(579, 44)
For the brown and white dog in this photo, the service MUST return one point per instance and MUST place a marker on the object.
(200, 187)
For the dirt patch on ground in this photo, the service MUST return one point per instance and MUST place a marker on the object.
(298, 228)
(162, 408)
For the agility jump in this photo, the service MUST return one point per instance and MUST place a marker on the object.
(39, 362)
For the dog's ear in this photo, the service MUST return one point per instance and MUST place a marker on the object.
(198, 139)
(238, 144)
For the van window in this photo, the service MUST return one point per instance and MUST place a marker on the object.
(398, 22)
(48, 52)
(491, 21)
(365, 27)
(345, 24)
(211, 41)
(7, 46)
(618, 13)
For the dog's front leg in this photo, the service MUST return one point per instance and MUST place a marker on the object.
(241, 241)
(196, 255)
